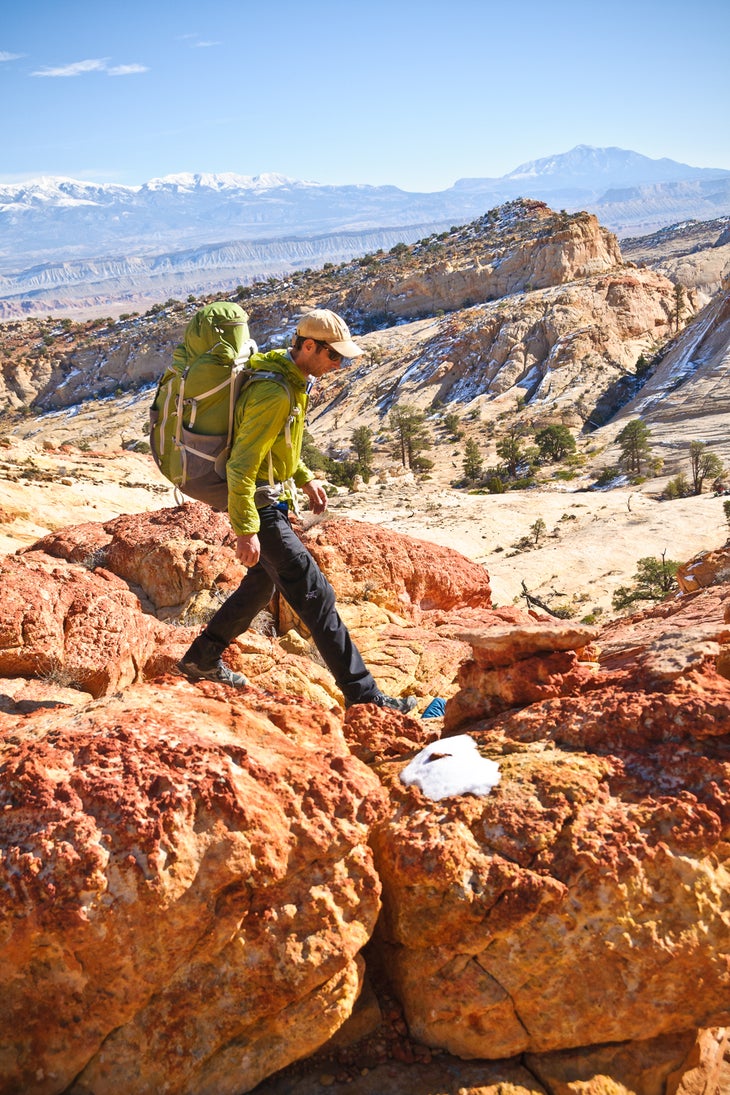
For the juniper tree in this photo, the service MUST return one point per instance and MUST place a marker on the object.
(362, 443)
(654, 578)
(555, 442)
(538, 530)
(510, 449)
(704, 464)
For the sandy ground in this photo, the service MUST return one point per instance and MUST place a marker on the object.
(591, 543)
(42, 491)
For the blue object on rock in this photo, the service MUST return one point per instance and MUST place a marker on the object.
(435, 709)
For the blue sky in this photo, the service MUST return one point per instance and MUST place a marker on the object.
(417, 94)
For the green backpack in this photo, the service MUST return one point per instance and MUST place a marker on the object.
(191, 418)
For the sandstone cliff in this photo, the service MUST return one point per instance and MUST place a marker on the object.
(687, 397)
(190, 873)
(557, 309)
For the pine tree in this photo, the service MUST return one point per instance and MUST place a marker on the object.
(411, 435)
(473, 464)
(634, 442)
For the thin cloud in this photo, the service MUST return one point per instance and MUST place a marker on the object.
(201, 43)
(5, 56)
(99, 64)
(126, 70)
(77, 68)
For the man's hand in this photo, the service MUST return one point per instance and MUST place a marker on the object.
(248, 549)
(316, 494)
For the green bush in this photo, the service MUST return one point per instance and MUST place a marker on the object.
(678, 487)
(607, 475)
(654, 578)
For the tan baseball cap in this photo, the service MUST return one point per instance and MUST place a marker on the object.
(328, 327)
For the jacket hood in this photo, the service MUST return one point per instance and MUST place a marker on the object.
(278, 361)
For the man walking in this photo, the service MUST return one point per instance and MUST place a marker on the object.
(263, 471)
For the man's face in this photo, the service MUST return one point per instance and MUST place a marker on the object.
(317, 358)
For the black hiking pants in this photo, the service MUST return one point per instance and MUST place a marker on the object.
(287, 566)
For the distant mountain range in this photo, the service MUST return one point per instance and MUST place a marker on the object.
(68, 245)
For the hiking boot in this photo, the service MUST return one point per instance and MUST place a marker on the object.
(218, 672)
(404, 705)
(203, 662)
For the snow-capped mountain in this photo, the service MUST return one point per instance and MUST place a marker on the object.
(54, 230)
(187, 182)
(602, 168)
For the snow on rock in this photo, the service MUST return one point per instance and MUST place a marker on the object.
(451, 767)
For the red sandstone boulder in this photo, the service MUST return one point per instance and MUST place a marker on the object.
(404, 601)
(584, 900)
(70, 626)
(185, 887)
(367, 563)
(169, 555)
(519, 665)
(173, 553)
(66, 624)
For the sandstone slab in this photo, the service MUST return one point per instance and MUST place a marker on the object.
(186, 887)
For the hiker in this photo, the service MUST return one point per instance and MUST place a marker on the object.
(263, 471)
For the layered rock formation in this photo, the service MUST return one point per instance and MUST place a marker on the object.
(519, 246)
(190, 873)
(696, 369)
(563, 321)
(572, 352)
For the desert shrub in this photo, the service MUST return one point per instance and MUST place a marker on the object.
(607, 475)
(452, 425)
(495, 485)
(654, 578)
(678, 487)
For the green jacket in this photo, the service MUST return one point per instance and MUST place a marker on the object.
(261, 416)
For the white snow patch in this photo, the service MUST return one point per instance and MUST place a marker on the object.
(451, 766)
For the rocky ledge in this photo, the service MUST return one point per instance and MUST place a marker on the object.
(201, 886)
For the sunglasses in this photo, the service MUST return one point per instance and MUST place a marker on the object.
(331, 354)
